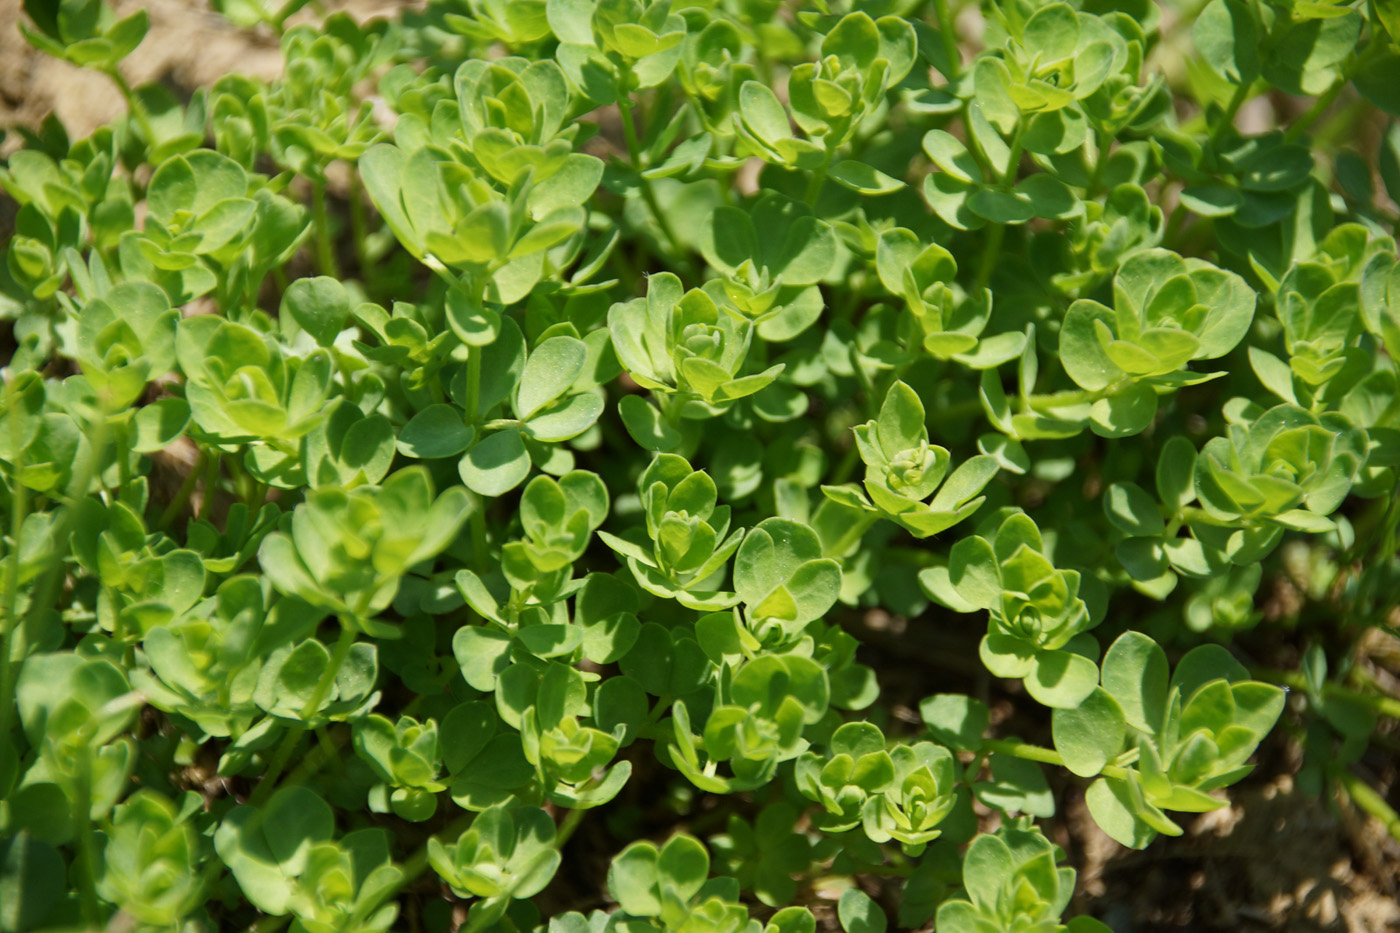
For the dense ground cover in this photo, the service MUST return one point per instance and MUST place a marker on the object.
(715, 466)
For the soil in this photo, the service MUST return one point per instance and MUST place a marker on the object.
(1277, 859)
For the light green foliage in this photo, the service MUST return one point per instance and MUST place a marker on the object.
(1177, 739)
(898, 794)
(524, 433)
(1013, 883)
(507, 853)
(151, 857)
(902, 469)
(1037, 614)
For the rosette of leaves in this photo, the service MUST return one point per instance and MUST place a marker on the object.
(286, 860)
(902, 469)
(1057, 57)
(314, 116)
(204, 665)
(507, 853)
(244, 387)
(783, 580)
(347, 550)
(603, 629)
(199, 217)
(513, 23)
(34, 255)
(714, 65)
(609, 48)
(901, 794)
(125, 340)
(406, 758)
(922, 275)
(1321, 317)
(151, 856)
(755, 725)
(513, 113)
(688, 534)
(1156, 741)
(857, 768)
(45, 447)
(1167, 312)
(861, 58)
(73, 711)
(448, 213)
(1288, 469)
(552, 390)
(688, 352)
(573, 762)
(670, 888)
(769, 279)
(558, 518)
(919, 796)
(1038, 618)
(1012, 882)
(86, 33)
(1124, 223)
(307, 684)
(148, 582)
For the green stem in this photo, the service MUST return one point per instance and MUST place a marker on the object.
(1318, 108)
(313, 705)
(211, 483)
(1174, 222)
(1365, 797)
(947, 28)
(634, 154)
(1227, 120)
(1380, 705)
(1103, 142)
(1069, 397)
(181, 499)
(359, 229)
(133, 103)
(814, 184)
(7, 625)
(325, 254)
(121, 439)
(87, 892)
(1047, 756)
(991, 250)
(1324, 103)
(566, 828)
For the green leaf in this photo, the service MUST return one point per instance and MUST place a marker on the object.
(955, 720)
(31, 881)
(859, 914)
(549, 370)
(1227, 37)
(1135, 675)
(496, 464)
(1061, 679)
(320, 306)
(646, 425)
(160, 424)
(436, 431)
(863, 179)
(1088, 735)
(1133, 511)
